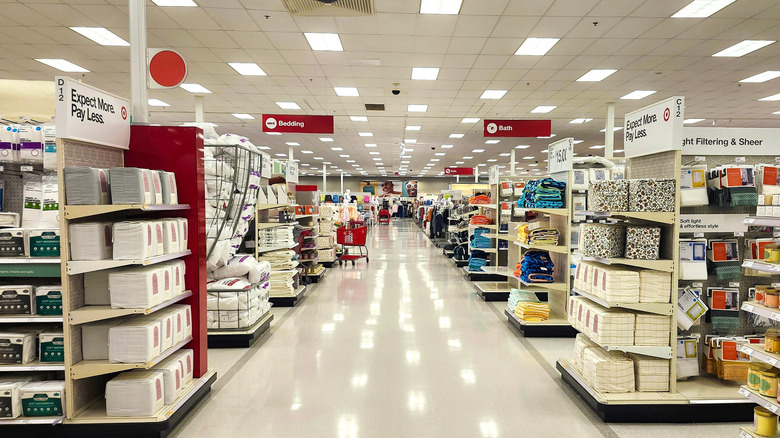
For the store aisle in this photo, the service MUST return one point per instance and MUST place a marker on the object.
(399, 347)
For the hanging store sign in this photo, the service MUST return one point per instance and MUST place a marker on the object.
(88, 114)
(655, 128)
(493, 175)
(731, 141)
(517, 128)
(560, 156)
(167, 68)
(459, 171)
(292, 172)
(297, 124)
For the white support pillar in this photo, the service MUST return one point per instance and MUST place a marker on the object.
(512, 164)
(457, 179)
(324, 178)
(609, 133)
(200, 112)
(342, 182)
(290, 154)
(476, 175)
(139, 95)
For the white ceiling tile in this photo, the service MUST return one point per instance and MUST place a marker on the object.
(524, 7)
(288, 41)
(396, 24)
(192, 18)
(615, 8)
(232, 19)
(514, 26)
(475, 25)
(548, 27)
(459, 61)
(436, 25)
(251, 40)
(213, 38)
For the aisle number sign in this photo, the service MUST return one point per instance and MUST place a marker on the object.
(655, 128)
(493, 175)
(560, 156)
(88, 114)
(292, 172)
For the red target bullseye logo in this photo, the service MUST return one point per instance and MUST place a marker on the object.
(123, 112)
(667, 114)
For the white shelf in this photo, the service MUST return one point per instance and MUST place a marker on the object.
(29, 260)
(498, 270)
(747, 432)
(81, 211)
(657, 265)
(489, 227)
(761, 310)
(552, 320)
(660, 352)
(490, 250)
(756, 351)
(760, 265)
(551, 211)
(87, 314)
(275, 248)
(32, 366)
(492, 287)
(91, 368)
(559, 249)
(30, 420)
(80, 267)
(547, 286)
(17, 319)
(770, 403)
(491, 206)
(658, 308)
(650, 216)
(762, 221)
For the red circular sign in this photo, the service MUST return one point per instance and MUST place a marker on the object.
(168, 68)
(667, 114)
(124, 113)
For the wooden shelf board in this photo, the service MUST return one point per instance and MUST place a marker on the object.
(87, 314)
(80, 267)
(91, 368)
(657, 265)
(559, 249)
(82, 211)
(658, 308)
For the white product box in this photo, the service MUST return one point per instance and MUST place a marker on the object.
(138, 393)
(30, 144)
(12, 242)
(91, 241)
(52, 347)
(43, 399)
(188, 359)
(42, 242)
(17, 300)
(17, 347)
(96, 289)
(137, 340)
(167, 329)
(171, 242)
(183, 233)
(177, 323)
(134, 240)
(157, 195)
(94, 338)
(136, 288)
(10, 399)
(8, 138)
(173, 378)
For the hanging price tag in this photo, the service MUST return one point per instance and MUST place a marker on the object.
(560, 156)
(734, 284)
(701, 159)
(744, 434)
(698, 235)
(744, 392)
(747, 307)
(739, 234)
(771, 407)
(697, 284)
(740, 159)
(26, 168)
(771, 361)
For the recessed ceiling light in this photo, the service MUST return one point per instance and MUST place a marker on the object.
(614, 129)
(344, 155)
(543, 109)
(467, 158)
(545, 151)
(346, 91)
(618, 151)
(264, 148)
(457, 135)
(522, 146)
(370, 145)
(596, 75)
(447, 146)
(413, 128)
(292, 143)
(692, 121)
(101, 35)
(336, 149)
(536, 46)
(326, 162)
(505, 154)
(243, 116)
(492, 160)
(350, 161)
(157, 102)
(195, 88)
(578, 141)
(247, 68)
(329, 42)
(288, 105)
(326, 139)
(459, 162)
(281, 155)
(307, 152)
(493, 94)
(440, 154)
(772, 98)
(434, 160)
(63, 65)
(449, 7)
(549, 136)
(493, 142)
(186, 3)
(274, 133)
(356, 165)
(406, 156)
(702, 8)
(743, 48)
(425, 73)
(580, 121)
(358, 118)
(638, 94)
(377, 158)
(528, 158)
(366, 134)
(470, 120)
(776, 112)
(533, 165)
(410, 140)
(478, 151)
(417, 108)
(600, 146)
(318, 158)
(373, 153)
(762, 77)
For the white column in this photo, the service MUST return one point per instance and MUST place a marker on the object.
(290, 154)
(457, 178)
(324, 178)
(200, 113)
(609, 133)
(139, 96)
(476, 175)
(342, 182)
(512, 166)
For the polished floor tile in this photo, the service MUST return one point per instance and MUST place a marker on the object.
(400, 346)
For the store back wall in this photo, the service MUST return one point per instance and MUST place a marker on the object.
(424, 185)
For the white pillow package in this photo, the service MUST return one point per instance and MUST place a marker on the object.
(94, 338)
(167, 329)
(134, 240)
(171, 236)
(130, 185)
(138, 393)
(183, 233)
(136, 288)
(188, 359)
(136, 340)
(170, 193)
(157, 190)
(173, 378)
(177, 323)
(86, 186)
(186, 317)
(238, 266)
(91, 241)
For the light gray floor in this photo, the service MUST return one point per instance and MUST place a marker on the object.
(400, 347)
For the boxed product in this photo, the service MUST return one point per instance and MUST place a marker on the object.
(183, 233)
(167, 329)
(136, 340)
(7, 219)
(43, 399)
(159, 235)
(178, 268)
(135, 240)
(94, 338)
(608, 195)
(48, 300)
(609, 326)
(602, 241)
(581, 343)
(186, 317)
(173, 378)
(177, 323)
(96, 289)
(11, 398)
(599, 174)
(43, 242)
(30, 145)
(188, 359)
(693, 259)
(643, 243)
(130, 185)
(86, 186)
(91, 241)
(651, 195)
(687, 357)
(583, 277)
(138, 393)
(17, 347)
(8, 138)
(50, 147)
(52, 347)
(651, 374)
(655, 286)
(136, 288)
(170, 194)
(171, 242)
(157, 195)
(12, 242)
(615, 284)
(652, 330)
(580, 179)
(608, 371)
(693, 186)
(17, 300)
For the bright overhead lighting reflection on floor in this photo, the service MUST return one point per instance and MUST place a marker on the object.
(762, 77)
(417, 108)
(247, 68)
(157, 102)
(63, 65)
(580, 121)
(288, 105)
(692, 121)
(543, 109)
(446, 7)
(493, 94)
(702, 8)
(346, 91)
(425, 73)
(536, 46)
(243, 116)
(638, 94)
(358, 118)
(596, 75)
(101, 35)
(328, 42)
(743, 48)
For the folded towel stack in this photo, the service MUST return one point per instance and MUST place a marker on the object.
(480, 239)
(479, 219)
(517, 296)
(532, 311)
(522, 233)
(476, 263)
(536, 267)
(543, 236)
(545, 193)
(480, 199)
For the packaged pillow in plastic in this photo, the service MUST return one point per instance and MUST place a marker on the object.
(138, 393)
(157, 194)
(136, 288)
(134, 240)
(238, 266)
(136, 340)
(86, 186)
(173, 377)
(91, 241)
(130, 185)
(170, 193)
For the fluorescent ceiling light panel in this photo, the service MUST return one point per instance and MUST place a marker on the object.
(702, 8)
(467, 158)
(614, 129)
(156, 102)
(307, 152)
(425, 73)
(478, 151)
(63, 65)
(417, 108)
(522, 146)
(358, 118)
(344, 155)
(600, 146)
(580, 121)
(596, 75)
(529, 158)
(692, 121)
(101, 35)
(292, 143)
(470, 120)
(247, 68)
(281, 155)
(346, 91)
(762, 77)
(288, 105)
(326, 139)
(274, 133)
(772, 98)
(493, 94)
(459, 162)
(578, 141)
(457, 135)
(743, 48)
(329, 42)
(187, 3)
(492, 160)
(505, 154)
(536, 46)
(533, 165)
(543, 109)
(434, 160)
(265, 148)
(243, 116)
(410, 140)
(618, 151)
(370, 145)
(366, 134)
(413, 128)
(549, 136)
(447, 146)
(638, 94)
(337, 149)
(776, 112)
(373, 153)
(448, 7)
(440, 154)
(493, 142)
(195, 88)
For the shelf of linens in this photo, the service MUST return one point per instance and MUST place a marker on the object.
(19, 319)
(498, 270)
(551, 211)
(772, 313)
(560, 249)
(552, 320)
(80, 267)
(662, 352)
(770, 403)
(548, 286)
(760, 265)
(31, 366)
(491, 206)
(762, 221)
(266, 225)
(87, 314)
(81, 211)
(661, 217)
(657, 308)
(276, 248)
(91, 368)
(656, 265)
(759, 354)
(492, 250)
(490, 227)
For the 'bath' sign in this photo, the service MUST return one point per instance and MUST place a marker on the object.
(88, 114)
(731, 141)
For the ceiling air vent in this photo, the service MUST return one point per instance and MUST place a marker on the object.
(330, 8)
(375, 107)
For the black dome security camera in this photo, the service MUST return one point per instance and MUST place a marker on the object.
(396, 92)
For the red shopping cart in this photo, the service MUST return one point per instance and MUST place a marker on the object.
(352, 235)
(384, 217)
